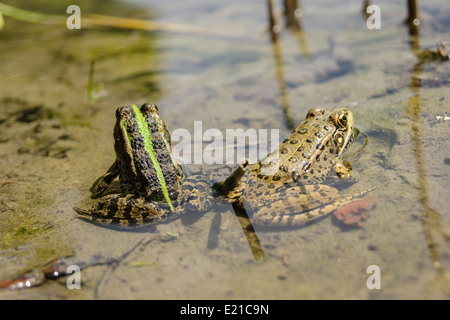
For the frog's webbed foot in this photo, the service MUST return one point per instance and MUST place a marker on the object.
(124, 210)
(102, 183)
(198, 192)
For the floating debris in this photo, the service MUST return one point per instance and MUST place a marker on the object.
(29, 279)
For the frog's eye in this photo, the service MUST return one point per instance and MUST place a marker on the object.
(342, 120)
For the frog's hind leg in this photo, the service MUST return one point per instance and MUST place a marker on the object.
(123, 210)
(293, 215)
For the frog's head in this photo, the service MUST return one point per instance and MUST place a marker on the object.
(345, 132)
(125, 114)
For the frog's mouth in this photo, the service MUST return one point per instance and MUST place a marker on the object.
(355, 133)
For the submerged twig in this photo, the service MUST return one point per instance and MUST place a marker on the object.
(2, 22)
(112, 266)
(412, 13)
(91, 80)
(138, 24)
(29, 16)
(435, 236)
(92, 94)
(285, 103)
(249, 232)
(92, 20)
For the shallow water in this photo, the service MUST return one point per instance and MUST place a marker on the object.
(227, 73)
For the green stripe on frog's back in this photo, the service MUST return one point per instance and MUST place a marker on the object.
(148, 146)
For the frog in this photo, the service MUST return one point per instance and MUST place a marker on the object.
(287, 187)
(153, 186)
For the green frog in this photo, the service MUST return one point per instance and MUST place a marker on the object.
(153, 186)
(285, 189)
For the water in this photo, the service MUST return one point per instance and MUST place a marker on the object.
(222, 68)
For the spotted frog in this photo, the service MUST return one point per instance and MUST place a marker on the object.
(285, 188)
(153, 186)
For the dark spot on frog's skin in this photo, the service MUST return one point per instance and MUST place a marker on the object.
(282, 193)
(153, 127)
(300, 148)
(331, 150)
(320, 146)
(326, 127)
(302, 130)
(284, 168)
(284, 151)
(252, 182)
(201, 188)
(305, 208)
(306, 166)
(295, 176)
(309, 140)
(137, 143)
(163, 157)
(276, 178)
(292, 159)
(170, 177)
(323, 194)
(319, 134)
(158, 144)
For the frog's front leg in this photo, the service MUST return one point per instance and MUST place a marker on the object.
(124, 210)
(343, 169)
(102, 183)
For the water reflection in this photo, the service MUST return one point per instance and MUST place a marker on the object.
(292, 13)
(436, 238)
